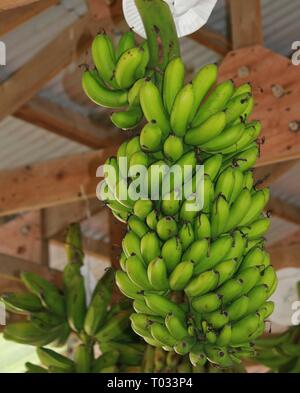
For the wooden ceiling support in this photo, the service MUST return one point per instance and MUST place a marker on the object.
(11, 4)
(212, 40)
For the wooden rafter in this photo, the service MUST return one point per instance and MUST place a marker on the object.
(13, 18)
(57, 218)
(276, 90)
(284, 210)
(11, 4)
(67, 123)
(212, 40)
(55, 182)
(246, 24)
(105, 10)
(31, 77)
(269, 174)
(285, 256)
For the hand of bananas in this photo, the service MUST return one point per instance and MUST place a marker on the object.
(200, 278)
(52, 315)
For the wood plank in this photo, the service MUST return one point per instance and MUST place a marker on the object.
(110, 10)
(276, 90)
(212, 40)
(11, 4)
(285, 256)
(24, 238)
(11, 267)
(269, 174)
(246, 23)
(11, 19)
(51, 183)
(31, 77)
(57, 218)
(68, 124)
(91, 247)
(284, 210)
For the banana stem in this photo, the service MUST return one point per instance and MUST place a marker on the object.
(161, 32)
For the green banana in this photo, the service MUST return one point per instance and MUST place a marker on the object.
(163, 306)
(128, 119)
(182, 109)
(125, 43)
(228, 137)
(173, 82)
(173, 148)
(126, 67)
(104, 58)
(157, 274)
(50, 358)
(126, 286)
(176, 327)
(162, 335)
(205, 282)
(171, 253)
(83, 359)
(150, 247)
(114, 327)
(22, 303)
(181, 275)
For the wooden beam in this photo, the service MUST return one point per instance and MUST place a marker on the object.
(276, 90)
(91, 247)
(57, 218)
(11, 267)
(10, 4)
(212, 40)
(51, 183)
(30, 78)
(246, 23)
(284, 210)
(269, 174)
(13, 18)
(285, 256)
(109, 10)
(24, 238)
(68, 124)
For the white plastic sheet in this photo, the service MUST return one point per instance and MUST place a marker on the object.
(189, 15)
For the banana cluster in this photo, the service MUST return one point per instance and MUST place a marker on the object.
(116, 71)
(200, 278)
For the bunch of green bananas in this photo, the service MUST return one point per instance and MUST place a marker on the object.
(200, 279)
(52, 315)
(116, 79)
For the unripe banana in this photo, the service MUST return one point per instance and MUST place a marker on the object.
(152, 219)
(224, 336)
(186, 235)
(207, 303)
(171, 203)
(126, 68)
(242, 89)
(266, 309)
(173, 148)
(202, 228)
(211, 336)
(238, 184)
(127, 287)
(181, 275)
(217, 319)
(137, 226)
(254, 257)
(189, 209)
(162, 335)
(104, 58)
(126, 42)
(171, 253)
(228, 137)
(150, 247)
(230, 290)
(215, 103)
(218, 355)
(258, 202)
(151, 137)
(50, 358)
(196, 252)
(166, 228)
(219, 216)
(202, 82)
(22, 303)
(250, 278)
(157, 274)
(163, 306)
(236, 107)
(225, 183)
(132, 147)
(140, 323)
(182, 110)
(248, 180)
(211, 128)
(153, 108)
(141, 307)
(128, 119)
(238, 247)
(176, 327)
(242, 329)
(218, 249)
(249, 135)
(257, 296)
(131, 245)
(142, 208)
(137, 272)
(226, 270)
(239, 209)
(173, 82)
(257, 229)
(202, 284)
(184, 346)
(197, 355)
(83, 359)
(246, 159)
(100, 94)
(142, 68)
(238, 308)
(212, 166)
